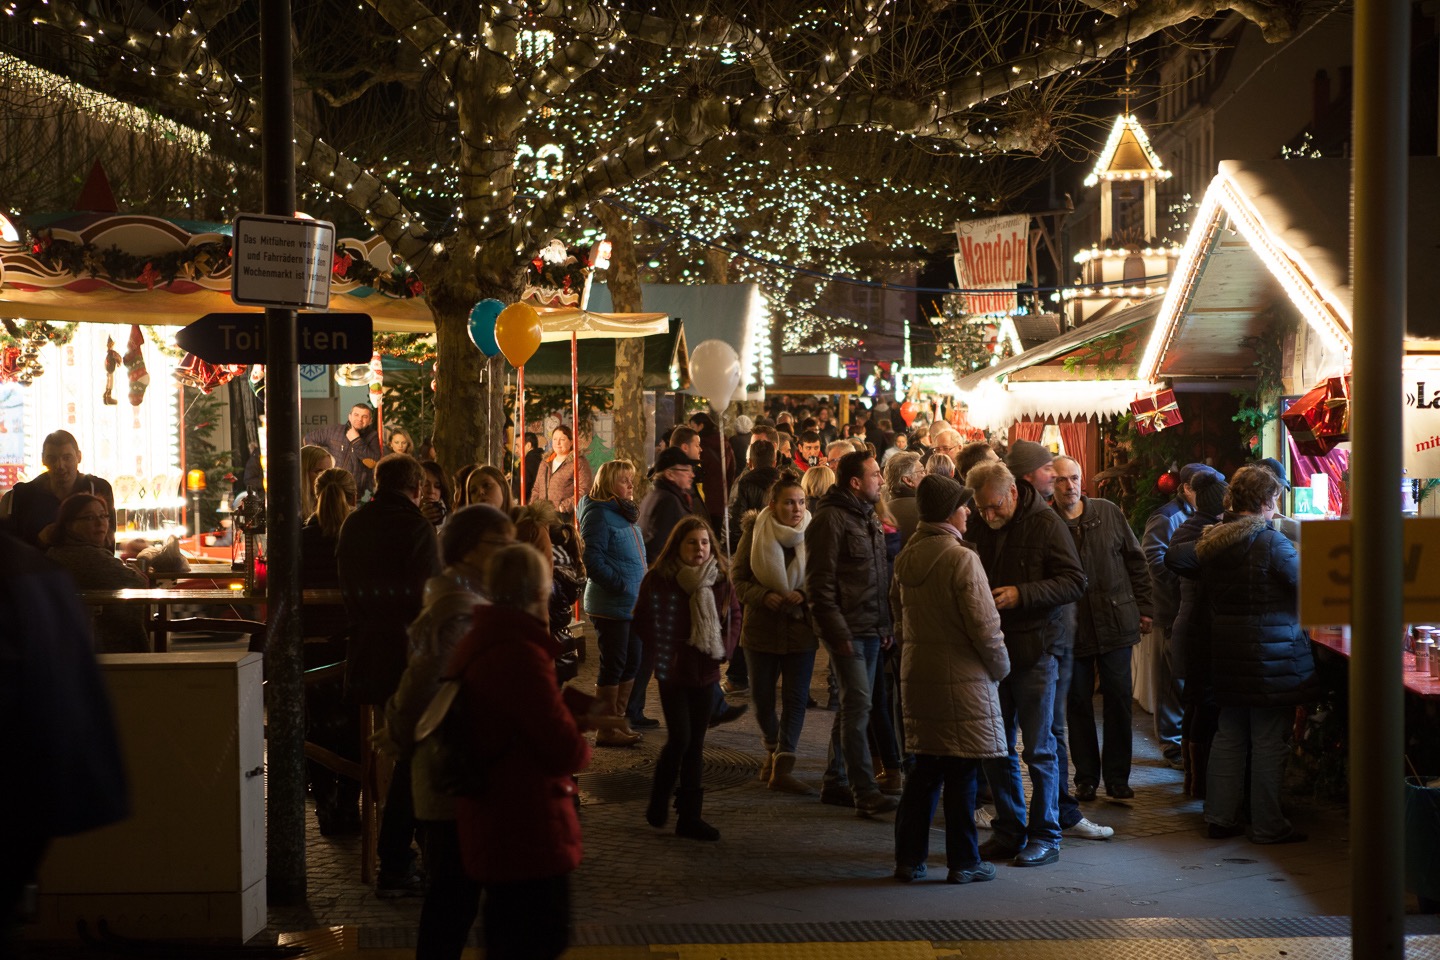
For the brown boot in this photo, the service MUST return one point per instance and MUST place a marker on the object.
(783, 779)
(768, 764)
(622, 699)
(612, 737)
(890, 782)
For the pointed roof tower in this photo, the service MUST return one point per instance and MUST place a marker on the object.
(1127, 155)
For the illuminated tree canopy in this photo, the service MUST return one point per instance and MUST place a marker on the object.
(469, 135)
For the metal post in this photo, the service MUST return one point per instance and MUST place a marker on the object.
(285, 704)
(1381, 176)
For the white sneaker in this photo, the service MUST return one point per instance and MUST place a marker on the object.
(1085, 830)
(983, 818)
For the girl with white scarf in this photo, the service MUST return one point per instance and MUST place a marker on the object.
(687, 617)
(779, 643)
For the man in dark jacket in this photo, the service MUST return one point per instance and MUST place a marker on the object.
(351, 444)
(1034, 572)
(386, 552)
(1109, 619)
(847, 581)
(713, 473)
(1165, 588)
(752, 490)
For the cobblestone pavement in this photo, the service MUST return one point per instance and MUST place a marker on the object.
(786, 859)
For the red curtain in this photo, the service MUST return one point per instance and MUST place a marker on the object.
(1026, 431)
(1075, 437)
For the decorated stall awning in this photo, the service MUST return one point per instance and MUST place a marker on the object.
(1275, 230)
(666, 360)
(1086, 372)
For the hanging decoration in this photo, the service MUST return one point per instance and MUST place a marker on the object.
(20, 333)
(116, 266)
(134, 361)
(1168, 483)
(1321, 418)
(350, 264)
(205, 377)
(112, 363)
(257, 381)
(1156, 412)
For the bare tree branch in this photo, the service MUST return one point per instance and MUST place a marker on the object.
(710, 32)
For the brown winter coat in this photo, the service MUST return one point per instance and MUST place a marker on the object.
(952, 653)
(559, 487)
(763, 630)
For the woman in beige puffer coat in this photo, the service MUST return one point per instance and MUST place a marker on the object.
(952, 658)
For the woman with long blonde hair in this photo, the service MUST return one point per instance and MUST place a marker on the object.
(614, 555)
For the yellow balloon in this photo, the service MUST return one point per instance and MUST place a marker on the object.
(517, 331)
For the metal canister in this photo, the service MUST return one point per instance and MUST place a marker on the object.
(1434, 665)
(1424, 653)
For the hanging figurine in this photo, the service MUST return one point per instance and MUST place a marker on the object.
(134, 361)
(112, 363)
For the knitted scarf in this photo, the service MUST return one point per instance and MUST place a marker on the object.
(704, 620)
(768, 540)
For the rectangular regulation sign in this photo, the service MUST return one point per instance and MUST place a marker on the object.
(1325, 571)
(282, 262)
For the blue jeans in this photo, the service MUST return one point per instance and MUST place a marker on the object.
(1116, 690)
(619, 651)
(957, 776)
(792, 671)
(1069, 807)
(1027, 702)
(1169, 695)
(849, 756)
(1266, 732)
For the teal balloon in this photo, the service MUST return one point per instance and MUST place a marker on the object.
(482, 326)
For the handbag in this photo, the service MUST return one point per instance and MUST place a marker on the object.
(459, 764)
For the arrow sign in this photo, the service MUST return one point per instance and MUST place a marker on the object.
(240, 337)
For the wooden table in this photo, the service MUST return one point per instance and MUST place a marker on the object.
(163, 598)
(1420, 684)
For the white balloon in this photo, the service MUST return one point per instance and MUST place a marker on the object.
(715, 372)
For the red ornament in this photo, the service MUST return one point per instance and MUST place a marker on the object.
(341, 265)
(1168, 483)
(907, 412)
(149, 276)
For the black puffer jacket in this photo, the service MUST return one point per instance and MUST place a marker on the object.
(1108, 615)
(664, 506)
(1260, 656)
(847, 573)
(1035, 553)
(1190, 631)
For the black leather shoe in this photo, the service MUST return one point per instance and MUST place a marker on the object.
(1083, 791)
(1035, 854)
(993, 849)
(731, 712)
(1119, 791)
(644, 722)
(837, 795)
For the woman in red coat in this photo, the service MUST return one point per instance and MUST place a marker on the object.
(521, 837)
(688, 618)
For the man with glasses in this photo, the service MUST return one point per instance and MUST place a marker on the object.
(1035, 576)
(947, 442)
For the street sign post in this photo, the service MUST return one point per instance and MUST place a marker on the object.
(282, 262)
(240, 337)
(1326, 575)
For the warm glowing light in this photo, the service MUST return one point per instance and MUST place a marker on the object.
(1126, 123)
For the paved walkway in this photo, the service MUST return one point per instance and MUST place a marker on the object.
(789, 870)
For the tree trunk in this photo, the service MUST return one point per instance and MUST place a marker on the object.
(469, 401)
(624, 283)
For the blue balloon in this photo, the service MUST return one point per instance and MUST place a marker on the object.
(482, 326)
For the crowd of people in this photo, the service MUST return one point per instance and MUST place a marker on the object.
(970, 607)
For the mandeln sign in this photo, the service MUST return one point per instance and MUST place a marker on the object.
(992, 254)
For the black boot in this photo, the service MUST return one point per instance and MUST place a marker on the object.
(687, 816)
(659, 809)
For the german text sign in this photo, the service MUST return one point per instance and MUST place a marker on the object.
(1325, 571)
(240, 338)
(282, 262)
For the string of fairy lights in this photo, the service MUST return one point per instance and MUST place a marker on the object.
(631, 102)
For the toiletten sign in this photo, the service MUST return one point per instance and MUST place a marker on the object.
(992, 254)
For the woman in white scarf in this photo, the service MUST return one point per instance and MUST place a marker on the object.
(768, 572)
(687, 618)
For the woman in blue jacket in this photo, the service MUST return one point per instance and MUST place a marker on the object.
(614, 555)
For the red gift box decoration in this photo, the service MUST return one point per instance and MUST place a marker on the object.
(1321, 418)
(1156, 412)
